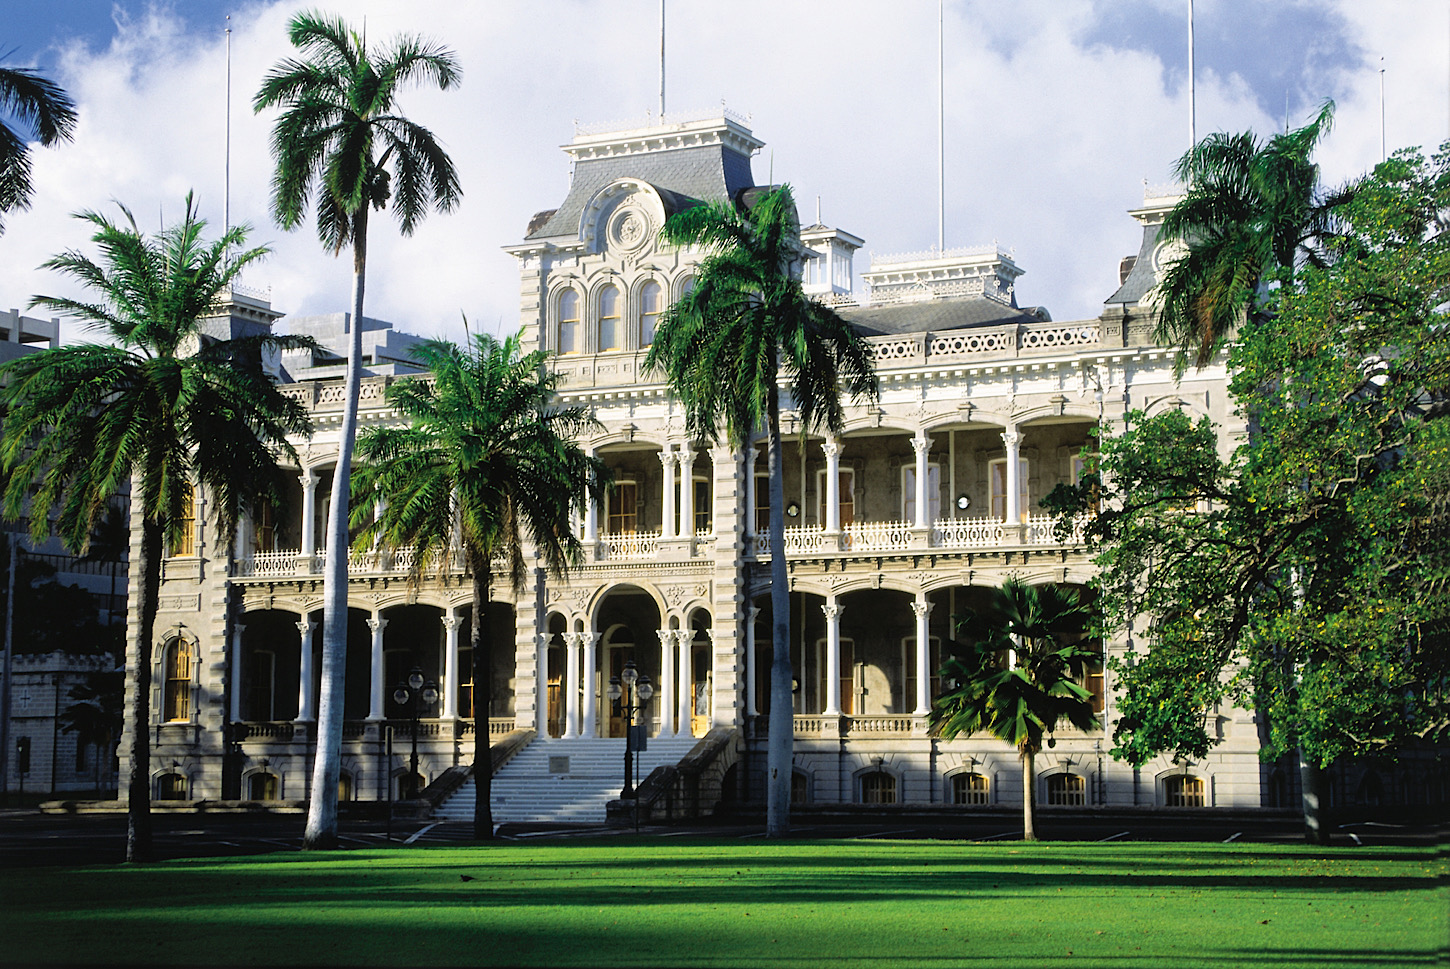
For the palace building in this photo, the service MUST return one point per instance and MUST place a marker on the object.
(927, 498)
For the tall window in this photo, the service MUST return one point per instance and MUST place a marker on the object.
(1067, 789)
(969, 788)
(1085, 464)
(651, 305)
(261, 671)
(702, 504)
(998, 480)
(623, 514)
(185, 542)
(569, 322)
(465, 681)
(1092, 680)
(762, 503)
(176, 698)
(609, 310)
(878, 787)
(799, 788)
(264, 525)
(1184, 791)
(933, 492)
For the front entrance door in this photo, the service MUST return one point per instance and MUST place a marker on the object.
(618, 656)
(556, 691)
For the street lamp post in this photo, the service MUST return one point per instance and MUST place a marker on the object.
(411, 691)
(633, 693)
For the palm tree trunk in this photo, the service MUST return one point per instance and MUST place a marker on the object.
(481, 639)
(321, 832)
(138, 703)
(1029, 794)
(781, 737)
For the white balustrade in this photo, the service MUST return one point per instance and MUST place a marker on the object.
(967, 533)
(625, 546)
(261, 564)
(878, 536)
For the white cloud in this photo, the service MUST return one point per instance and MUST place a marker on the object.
(1050, 134)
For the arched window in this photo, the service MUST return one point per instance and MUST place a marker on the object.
(568, 322)
(1184, 790)
(171, 787)
(262, 786)
(610, 332)
(344, 786)
(176, 691)
(1066, 789)
(878, 787)
(969, 788)
(651, 304)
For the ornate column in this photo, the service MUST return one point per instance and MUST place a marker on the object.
(832, 448)
(686, 458)
(541, 684)
(752, 701)
(667, 460)
(667, 683)
(588, 724)
(305, 709)
(572, 643)
(921, 444)
(832, 609)
(236, 684)
(751, 455)
(684, 638)
(375, 665)
(451, 623)
(1012, 438)
(309, 479)
(922, 608)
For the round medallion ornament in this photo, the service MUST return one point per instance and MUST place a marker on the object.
(629, 229)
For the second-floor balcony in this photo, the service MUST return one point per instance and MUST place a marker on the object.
(900, 536)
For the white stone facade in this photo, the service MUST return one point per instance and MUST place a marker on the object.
(925, 499)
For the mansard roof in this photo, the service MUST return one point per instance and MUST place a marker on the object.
(934, 315)
(683, 176)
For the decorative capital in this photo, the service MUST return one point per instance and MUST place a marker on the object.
(305, 626)
(667, 637)
(377, 624)
(684, 637)
(920, 443)
(832, 449)
(451, 623)
(668, 459)
(832, 611)
(1011, 436)
(921, 608)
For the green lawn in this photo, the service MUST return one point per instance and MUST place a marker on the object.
(669, 902)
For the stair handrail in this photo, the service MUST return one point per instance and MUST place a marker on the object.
(446, 784)
(680, 783)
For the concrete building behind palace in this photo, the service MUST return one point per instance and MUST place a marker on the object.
(924, 501)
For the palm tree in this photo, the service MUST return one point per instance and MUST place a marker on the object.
(340, 139)
(160, 407)
(42, 106)
(97, 715)
(487, 462)
(725, 349)
(1251, 209)
(1020, 675)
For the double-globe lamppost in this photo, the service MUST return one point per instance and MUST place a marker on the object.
(633, 692)
(411, 692)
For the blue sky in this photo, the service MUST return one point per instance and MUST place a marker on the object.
(1058, 111)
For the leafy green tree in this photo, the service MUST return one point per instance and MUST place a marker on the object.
(487, 463)
(1020, 675)
(725, 347)
(1304, 574)
(40, 105)
(1252, 208)
(51, 616)
(159, 407)
(342, 147)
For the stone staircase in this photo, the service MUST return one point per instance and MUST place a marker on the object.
(569, 781)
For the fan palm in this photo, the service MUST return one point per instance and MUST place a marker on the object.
(1251, 209)
(42, 106)
(161, 408)
(725, 348)
(1019, 676)
(487, 461)
(341, 145)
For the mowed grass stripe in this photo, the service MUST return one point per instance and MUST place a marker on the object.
(678, 902)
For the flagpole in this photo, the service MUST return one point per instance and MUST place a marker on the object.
(941, 149)
(227, 172)
(1192, 102)
(662, 61)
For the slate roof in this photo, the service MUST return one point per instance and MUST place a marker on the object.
(935, 315)
(1141, 278)
(684, 176)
